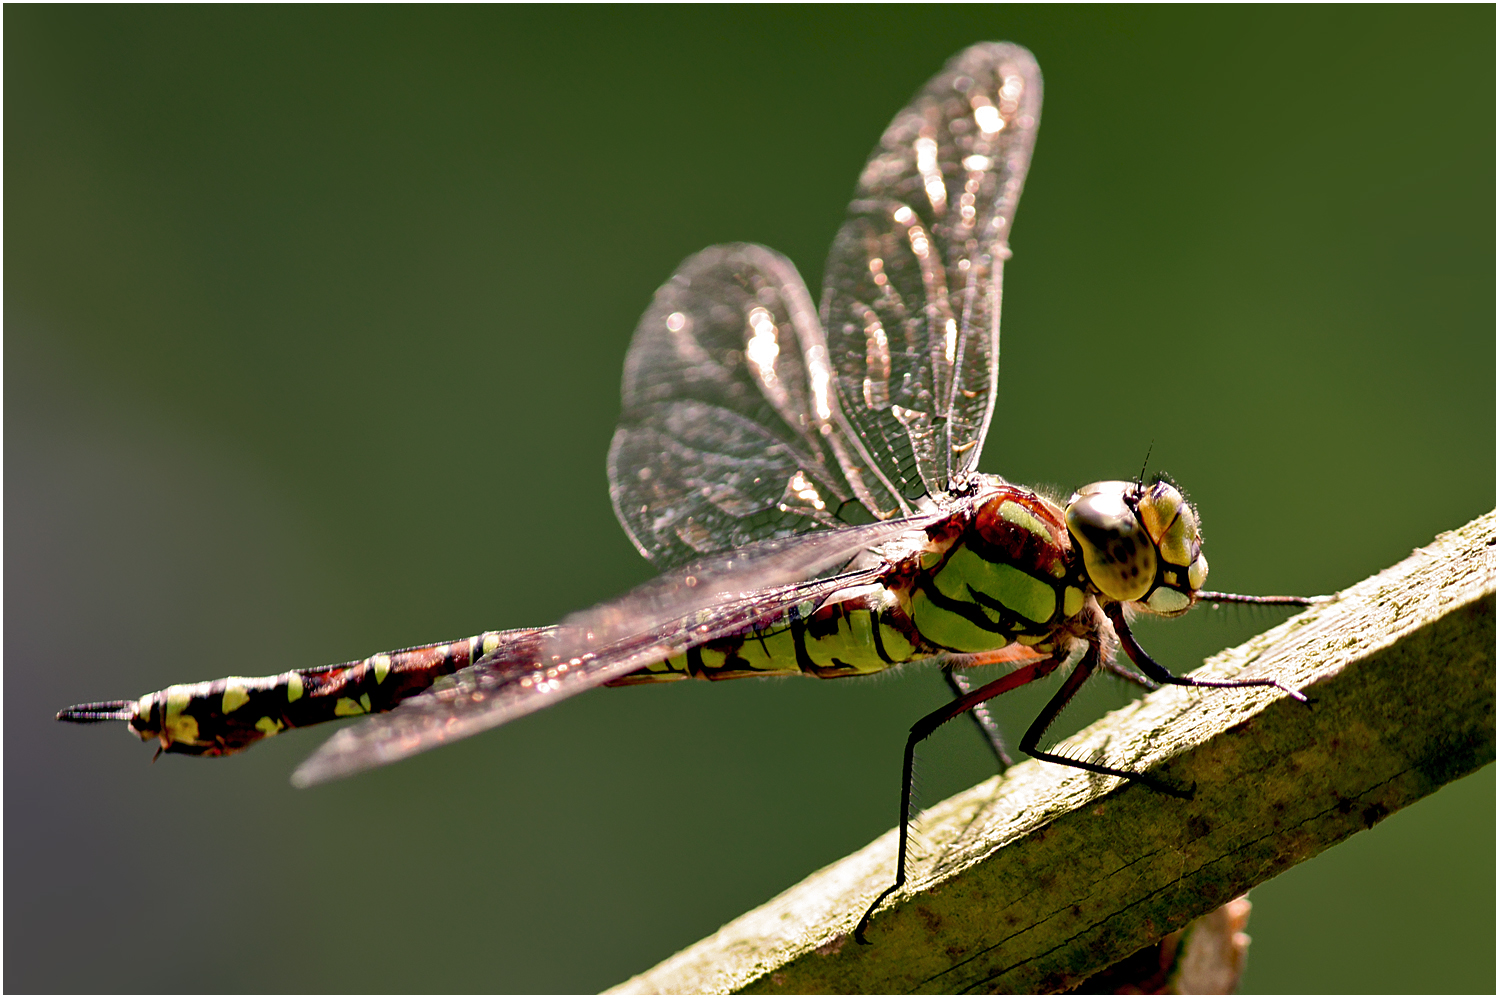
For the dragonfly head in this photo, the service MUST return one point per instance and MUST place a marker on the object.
(1140, 543)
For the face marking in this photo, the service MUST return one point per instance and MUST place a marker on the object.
(1168, 601)
(1197, 575)
(1072, 601)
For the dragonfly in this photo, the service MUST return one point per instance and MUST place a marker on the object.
(805, 476)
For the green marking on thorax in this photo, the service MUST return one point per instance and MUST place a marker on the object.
(950, 630)
(1024, 518)
(965, 570)
(896, 644)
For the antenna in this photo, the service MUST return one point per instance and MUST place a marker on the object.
(1140, 482)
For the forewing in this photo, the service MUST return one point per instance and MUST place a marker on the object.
(535, 668)
(730, 433)
(911, 297)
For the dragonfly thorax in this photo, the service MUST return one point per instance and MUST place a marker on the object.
(1140, 543)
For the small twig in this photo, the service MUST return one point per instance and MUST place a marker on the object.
(1036, 880)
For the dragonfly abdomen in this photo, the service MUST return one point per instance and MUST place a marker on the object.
(229, 715)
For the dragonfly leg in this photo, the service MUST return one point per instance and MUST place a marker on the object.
(1161, 674)
(923, 729)
(1130, 675)
(1029, 744)
(988, 728)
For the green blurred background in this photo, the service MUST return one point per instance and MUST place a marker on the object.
(314, 325)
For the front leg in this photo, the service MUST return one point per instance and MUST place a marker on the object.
(1031, 742)
(1161, 674)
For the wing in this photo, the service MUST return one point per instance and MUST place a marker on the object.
(911, 295)
(744, 421)
(533, 669)
(730, 432)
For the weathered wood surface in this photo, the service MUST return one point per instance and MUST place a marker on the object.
(1034, 881)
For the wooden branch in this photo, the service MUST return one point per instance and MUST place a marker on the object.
(1034, 881)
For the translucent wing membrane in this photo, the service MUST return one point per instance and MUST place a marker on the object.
(730, 432)
(912, 292)
(745, 425)
(768, 458)
(533, 669)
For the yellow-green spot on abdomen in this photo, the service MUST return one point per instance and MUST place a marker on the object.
(269, 725)
(381, 665)
(294, 687)
(235, 695)
(182, 728)
(773, 652)
(348, 707)
(852, 644)
(491, 642)
(179, 727)
(178, 697)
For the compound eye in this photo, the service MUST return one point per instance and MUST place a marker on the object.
(1117, 552)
